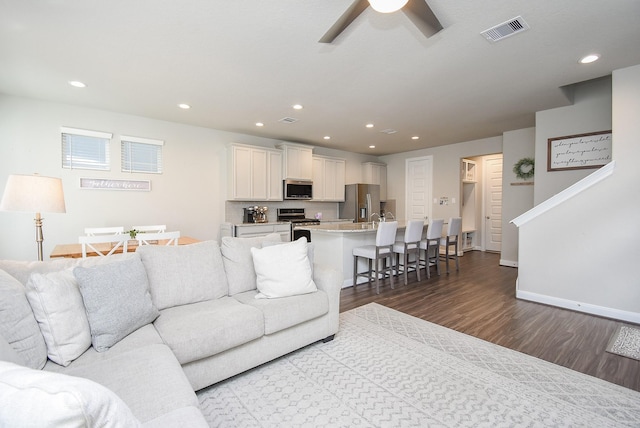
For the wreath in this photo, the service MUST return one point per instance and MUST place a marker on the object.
(524, 168)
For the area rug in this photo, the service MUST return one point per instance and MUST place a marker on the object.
(626, 342)
(388, 369)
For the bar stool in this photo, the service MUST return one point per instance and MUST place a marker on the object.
(454, 229)
(431, 246)
(382, 250)
(410, 245)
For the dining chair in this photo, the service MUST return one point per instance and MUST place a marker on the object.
(115, 241)
(381, 251)
(155, 228)
(451, 240)
(430, 246)
(171, 238)
(93, 231)
(410, 245)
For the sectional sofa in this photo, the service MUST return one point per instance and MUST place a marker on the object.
(128, 339)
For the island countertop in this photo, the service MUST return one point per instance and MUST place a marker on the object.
(346, 227)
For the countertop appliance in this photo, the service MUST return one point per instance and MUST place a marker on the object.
(361, 202)
(255, 214)
(297, 189)
(297, 217)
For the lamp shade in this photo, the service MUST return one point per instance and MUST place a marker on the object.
(33, 193)
(387, 6)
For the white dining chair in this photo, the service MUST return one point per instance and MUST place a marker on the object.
(93, 231)
(381, 251)
(410, 245)
(90, 243)
(430, 246)
(451, 240)
(171, 238)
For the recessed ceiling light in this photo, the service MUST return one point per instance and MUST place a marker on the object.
(184, 106)
(297, 106)
(369, 125)
(259, 124)
(415, 137)
(77, 84)
(372, 147)
(589, 59)
(326, 137)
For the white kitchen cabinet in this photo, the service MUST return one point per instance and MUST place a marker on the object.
(376, 173)
(256, 174)
(263, 229)
(328, 179)
(468, 171)
(297, 161)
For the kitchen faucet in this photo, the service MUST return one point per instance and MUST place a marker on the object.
(386, 214)
(371, 216)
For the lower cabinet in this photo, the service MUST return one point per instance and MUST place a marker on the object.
(256, 230)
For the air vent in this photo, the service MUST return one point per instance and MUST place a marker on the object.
(506, 29)
(388, 131)
(288, 120)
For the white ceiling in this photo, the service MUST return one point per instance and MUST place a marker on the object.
(244, 61)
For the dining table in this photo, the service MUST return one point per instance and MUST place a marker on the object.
(75, 250)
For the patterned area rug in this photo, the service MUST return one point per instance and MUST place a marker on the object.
(389, 369)
(625, 342)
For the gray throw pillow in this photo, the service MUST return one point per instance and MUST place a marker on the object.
(117, 299)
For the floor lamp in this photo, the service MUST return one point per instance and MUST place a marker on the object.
(33, 193)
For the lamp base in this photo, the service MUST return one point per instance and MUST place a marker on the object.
(39, 236)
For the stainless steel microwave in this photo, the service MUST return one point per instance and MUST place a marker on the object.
(298, 189)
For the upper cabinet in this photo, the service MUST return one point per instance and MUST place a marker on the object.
(297, 161)
(328, 179)
(256, 173)
(469, 171)
(376, 173)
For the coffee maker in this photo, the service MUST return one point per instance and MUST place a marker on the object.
(255, 214)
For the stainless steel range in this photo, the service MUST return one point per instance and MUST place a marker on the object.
(297, 217)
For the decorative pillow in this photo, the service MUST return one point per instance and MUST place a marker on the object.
(283, 270)
(117, 299)
(183, 274)
(7, 353)
(58, 307)
(38, 398)
(18, 325)
(238, 263)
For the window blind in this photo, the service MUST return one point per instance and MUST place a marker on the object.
(84, 149)
(141, 155)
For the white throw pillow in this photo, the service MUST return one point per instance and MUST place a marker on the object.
(58, 307)
(35, 398)
(283, 270)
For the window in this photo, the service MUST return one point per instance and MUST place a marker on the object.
(141, 155)
(82, 149)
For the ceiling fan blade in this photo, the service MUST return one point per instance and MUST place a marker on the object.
(356, 8)
(419, 12)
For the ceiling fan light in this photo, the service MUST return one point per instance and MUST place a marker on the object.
(387, 6)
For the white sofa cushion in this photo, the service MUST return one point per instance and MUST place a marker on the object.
(183, 274)
(283, 270)
(18, 326)
(117, 299)
(204, 329)
(238, 262)
(37, 398)
(58, 307)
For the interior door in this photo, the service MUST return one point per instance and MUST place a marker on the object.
(493, 202)
(418, 184)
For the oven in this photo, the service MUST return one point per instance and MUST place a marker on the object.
(297, 218)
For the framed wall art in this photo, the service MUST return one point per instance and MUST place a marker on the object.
(580, 151)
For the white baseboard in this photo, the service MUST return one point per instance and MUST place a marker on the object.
(588, 308)
(509, 263)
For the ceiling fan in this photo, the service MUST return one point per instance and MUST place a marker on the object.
(418, 11)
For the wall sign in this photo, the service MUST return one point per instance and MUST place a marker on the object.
(108, 184)
(580, 151)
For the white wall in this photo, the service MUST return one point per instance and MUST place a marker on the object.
(189, 196)
(516, 199)
(583, 254)
(590, 112)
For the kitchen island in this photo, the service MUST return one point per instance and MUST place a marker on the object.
(334, 244)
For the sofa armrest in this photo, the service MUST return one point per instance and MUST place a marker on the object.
(329, 280)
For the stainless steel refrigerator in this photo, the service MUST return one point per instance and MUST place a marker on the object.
(361, 202)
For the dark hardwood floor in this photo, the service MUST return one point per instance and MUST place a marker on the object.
(479, 300)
